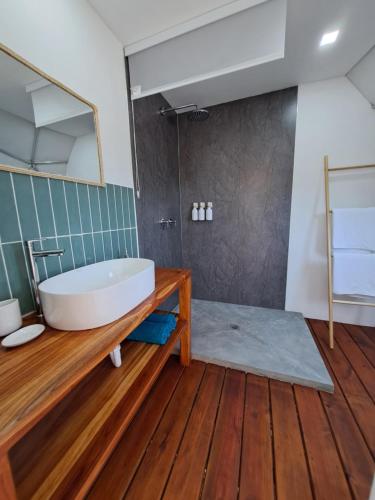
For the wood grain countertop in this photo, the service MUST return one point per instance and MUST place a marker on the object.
(35, 376)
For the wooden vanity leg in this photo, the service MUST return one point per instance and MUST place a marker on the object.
(7, 489)
(184, 299)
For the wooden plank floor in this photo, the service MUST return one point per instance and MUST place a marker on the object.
(210, 433)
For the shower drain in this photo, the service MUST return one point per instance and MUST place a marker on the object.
(234, 326)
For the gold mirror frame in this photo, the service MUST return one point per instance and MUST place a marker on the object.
(20, 170)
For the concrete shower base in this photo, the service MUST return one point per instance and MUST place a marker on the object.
(268, 342)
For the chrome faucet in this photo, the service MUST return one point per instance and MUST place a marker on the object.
(34, 254)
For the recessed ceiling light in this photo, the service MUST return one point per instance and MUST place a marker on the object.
(328, 38)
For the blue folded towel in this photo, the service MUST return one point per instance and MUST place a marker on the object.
(156, 329)
(166, 319)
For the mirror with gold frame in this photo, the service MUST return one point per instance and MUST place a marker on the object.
(46, 129)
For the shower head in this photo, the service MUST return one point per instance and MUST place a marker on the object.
(196, 115)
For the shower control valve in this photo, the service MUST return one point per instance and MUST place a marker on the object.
(163, 223)
(167, 223)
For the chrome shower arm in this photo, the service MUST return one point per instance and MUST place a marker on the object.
(163, 110)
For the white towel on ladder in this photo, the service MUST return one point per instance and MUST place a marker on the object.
(353, 228)
(353, 273)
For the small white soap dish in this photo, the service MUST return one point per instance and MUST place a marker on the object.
(23, 335)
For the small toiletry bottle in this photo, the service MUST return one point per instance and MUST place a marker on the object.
(194, 212)
(209, 210)
(202, 212)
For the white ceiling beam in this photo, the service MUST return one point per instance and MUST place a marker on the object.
(207, 76)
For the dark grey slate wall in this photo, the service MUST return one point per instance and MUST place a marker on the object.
(157, 153)
(241, 159)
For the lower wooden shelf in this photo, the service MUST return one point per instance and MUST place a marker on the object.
(63, 454)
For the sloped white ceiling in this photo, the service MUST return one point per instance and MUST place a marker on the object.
(304, 61)
(134, 21)
(239, 41)
(142, 24)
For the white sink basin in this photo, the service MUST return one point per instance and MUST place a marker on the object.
(97, 294)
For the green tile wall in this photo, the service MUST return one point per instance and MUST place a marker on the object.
(91, 223)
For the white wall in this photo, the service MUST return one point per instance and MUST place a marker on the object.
(83, 160)
(17, 137)
(362, 75)
(68, 40)
(333, 118)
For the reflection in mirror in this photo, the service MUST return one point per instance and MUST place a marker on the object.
(44, 128)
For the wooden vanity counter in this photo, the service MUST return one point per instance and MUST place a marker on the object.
(63, 406)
